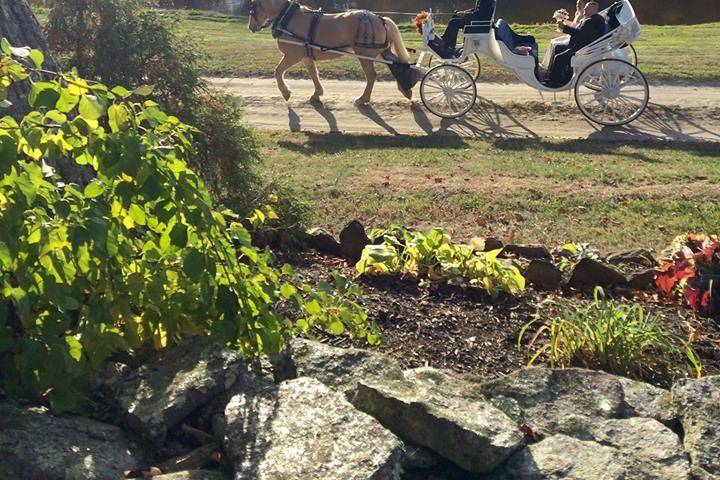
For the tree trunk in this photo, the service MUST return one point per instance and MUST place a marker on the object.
(21, 27)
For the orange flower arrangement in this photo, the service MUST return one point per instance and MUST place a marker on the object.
(420, 19)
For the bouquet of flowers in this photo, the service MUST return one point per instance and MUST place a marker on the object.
(560, 16)
(420, 19)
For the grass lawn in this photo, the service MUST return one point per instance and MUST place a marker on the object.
(611, 195)
(666, 53)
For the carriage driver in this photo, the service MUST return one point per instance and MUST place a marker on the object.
(589, 29)
(483, 10)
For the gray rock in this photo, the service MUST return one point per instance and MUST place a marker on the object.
(567, 458)
(323, 241)
(644, 400)
(426, 408)
(635, 258)
(564, 457)
(555, 400)
(636, 448)
(36, 444)
(302, 430)
(527, 251)
(697, 403)
(194, 475)
(589, 273)
(353, 240)
(543, 275)
(160, 394)
(339, 368)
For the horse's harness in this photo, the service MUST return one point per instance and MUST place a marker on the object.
(280, 22)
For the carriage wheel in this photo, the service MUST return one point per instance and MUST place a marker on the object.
(612, 92)
(448, 91)
(471, 64)
(632, 54)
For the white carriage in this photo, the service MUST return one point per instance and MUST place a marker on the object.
(609, 88)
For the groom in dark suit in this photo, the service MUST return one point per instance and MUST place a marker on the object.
(590, 29)
(483, 10)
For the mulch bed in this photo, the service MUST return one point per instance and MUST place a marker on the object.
(451, 328)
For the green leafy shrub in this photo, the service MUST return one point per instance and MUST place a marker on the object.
(136, 257)
(434, 257)
(605, 335)
(126, 43)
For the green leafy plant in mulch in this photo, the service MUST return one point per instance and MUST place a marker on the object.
(434, 257)
(607, 335)
(129, 255)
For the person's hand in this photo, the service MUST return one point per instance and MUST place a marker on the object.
(460, 13)
(560, 26)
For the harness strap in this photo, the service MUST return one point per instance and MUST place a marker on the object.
(366, 34)
(317, 15)
(283, 18)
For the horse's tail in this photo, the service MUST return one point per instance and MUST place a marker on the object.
(397, 46)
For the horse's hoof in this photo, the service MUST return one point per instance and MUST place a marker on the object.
(286, 95)
(407, 94)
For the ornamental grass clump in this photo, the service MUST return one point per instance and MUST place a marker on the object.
(616, 337)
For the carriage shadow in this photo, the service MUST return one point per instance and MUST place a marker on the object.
(659, 123)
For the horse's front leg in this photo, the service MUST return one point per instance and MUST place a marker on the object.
(370, 74)
(287, 61)
(312, 70)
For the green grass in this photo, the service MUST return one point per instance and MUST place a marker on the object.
(666, 53)
(611, 195)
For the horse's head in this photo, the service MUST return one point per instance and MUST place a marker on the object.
(263, 12)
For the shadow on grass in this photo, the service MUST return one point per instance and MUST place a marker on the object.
(324, 143)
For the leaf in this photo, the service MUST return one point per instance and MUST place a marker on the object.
(193, 264)
(5, 46)
(144, 90)
(75, 348)
(94, 190)
(287, 290)
(137, 214)
(313, 307)
(179, 235)
(91, 108)
(37, 57)
(5, 258)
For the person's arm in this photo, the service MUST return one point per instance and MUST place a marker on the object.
(569, 29)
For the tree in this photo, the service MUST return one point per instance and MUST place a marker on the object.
(20, 26)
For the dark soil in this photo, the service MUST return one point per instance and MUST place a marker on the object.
(462, 330)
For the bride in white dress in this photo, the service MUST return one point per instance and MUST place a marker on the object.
(564, 39)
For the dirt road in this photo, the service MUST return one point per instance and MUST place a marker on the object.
(681, 113)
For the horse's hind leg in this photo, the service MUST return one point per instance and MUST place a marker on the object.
(370, 74)
(312, 70)
(287, 61)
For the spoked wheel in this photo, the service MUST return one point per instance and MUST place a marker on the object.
(632, 54)
(471, 64)
(448, 91)
(612, 92)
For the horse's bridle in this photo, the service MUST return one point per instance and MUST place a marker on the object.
(269, 21)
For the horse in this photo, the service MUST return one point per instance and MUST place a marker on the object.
(297, 28)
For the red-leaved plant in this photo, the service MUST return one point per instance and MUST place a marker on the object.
(693, 273)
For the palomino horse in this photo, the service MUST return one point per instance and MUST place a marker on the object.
(359, 32)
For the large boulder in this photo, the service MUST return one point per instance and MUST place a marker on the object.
(35, 444)
(551, 401)
(611, 449)
(301, 429)
(428, 407)
(339, 368)
(697, 403)
(160, 394)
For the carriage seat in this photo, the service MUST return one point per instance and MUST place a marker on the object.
(512, 40)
